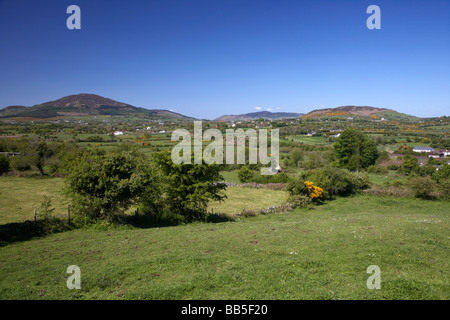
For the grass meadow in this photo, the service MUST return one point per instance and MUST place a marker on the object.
(321, 253)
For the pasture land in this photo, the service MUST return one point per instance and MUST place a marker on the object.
(312, 140)
(303, 254)
(20, 196)
(245, 198)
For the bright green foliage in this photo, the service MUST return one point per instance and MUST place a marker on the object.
(334, 181)
(409, 165)
(245, 174)
(102, 186)
(185, 189)
(354, 150)
(442, 174)
(422, 187)
(295, 157)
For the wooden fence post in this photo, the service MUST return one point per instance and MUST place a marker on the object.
(34, 216)
(68, 213)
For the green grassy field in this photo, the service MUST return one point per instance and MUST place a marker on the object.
(320, 140)
(20, 196)
(230, 176)
(390, 177)
(303, 254)
(243, 198)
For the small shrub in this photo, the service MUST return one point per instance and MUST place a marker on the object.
(392, 167)
(299, 190)
(45, 210)
(336, 181)
(422, 187)
(245, 174)
(299, 201)
(248, 213)
(377, 169)
(314, 192)
(398, 183)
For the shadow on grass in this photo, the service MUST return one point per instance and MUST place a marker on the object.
(148, 221)
(27, 230)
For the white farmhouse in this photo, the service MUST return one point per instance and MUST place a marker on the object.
(423, 149)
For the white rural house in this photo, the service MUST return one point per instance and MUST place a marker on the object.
(118, 133)
(336, 135)
(423, 149)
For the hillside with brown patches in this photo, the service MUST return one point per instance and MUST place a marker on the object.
(84, 105)
(352, 111)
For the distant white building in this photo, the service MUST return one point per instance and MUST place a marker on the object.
(436, 154)
(423, 149)
(118, 133)
(336, 135)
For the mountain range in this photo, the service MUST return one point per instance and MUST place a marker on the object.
(364, 112)
(82, 105)
(85, 105)
(259, 115)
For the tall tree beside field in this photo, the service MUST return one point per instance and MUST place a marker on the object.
(104, 186)
(354, 150)
(41, 153)
(185, 189)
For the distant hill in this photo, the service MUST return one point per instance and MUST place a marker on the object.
(364, 112)
(82, 105)
(12, 110)
(259, 115)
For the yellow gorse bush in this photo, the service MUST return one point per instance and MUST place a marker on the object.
(313, 191)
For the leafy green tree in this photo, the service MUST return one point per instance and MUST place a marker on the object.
(295, 157)
(422, 187)
(427, 170)
(104, 186)
(354, 150)
(185, 189)
(442, 174)
(41, 153)
(409, 165)
(245, 174)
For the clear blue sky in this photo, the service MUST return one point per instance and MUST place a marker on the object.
(206, 58)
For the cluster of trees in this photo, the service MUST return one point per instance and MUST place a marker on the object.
(39, 154)
(105, 185)
(355, 151)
